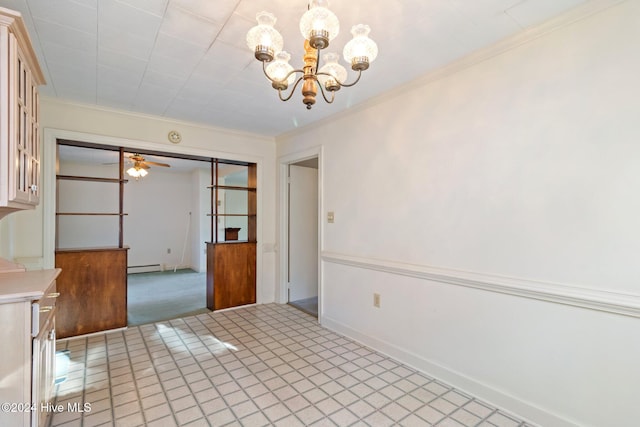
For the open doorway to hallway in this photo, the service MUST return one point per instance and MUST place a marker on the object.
(303, 235)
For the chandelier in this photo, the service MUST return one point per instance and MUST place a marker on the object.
(318, 26)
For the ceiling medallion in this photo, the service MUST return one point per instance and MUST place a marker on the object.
(318, 26)
(174, 136)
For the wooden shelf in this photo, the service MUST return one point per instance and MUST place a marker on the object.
(92, 249)
(90, 214)
(231, 242)
(247, 215)
(90, 178)
(232, 187)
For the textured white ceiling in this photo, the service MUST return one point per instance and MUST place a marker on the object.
(187, 59)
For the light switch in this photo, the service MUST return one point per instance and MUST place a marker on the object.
(330, 217)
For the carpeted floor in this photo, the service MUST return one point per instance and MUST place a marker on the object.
(165, 295)
(309, 305)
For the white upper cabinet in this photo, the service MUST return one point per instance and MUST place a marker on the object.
(20, 76)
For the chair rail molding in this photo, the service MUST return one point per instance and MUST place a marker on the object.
(595, 299)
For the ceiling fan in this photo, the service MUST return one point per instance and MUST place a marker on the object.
(140, 165)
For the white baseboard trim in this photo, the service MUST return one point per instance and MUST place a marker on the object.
(506, 402)
(92, 334)
(594, 299)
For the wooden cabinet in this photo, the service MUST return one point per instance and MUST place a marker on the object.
(27, 371)
(20, 76)
(93, 288)
(231, 275)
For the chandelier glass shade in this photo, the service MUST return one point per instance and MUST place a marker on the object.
(263, 38)
(360, 50)
(331, 72)
(319, 26)
(280, 71)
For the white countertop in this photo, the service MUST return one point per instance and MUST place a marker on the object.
(25, 286)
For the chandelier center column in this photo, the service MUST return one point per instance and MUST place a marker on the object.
(309, 89)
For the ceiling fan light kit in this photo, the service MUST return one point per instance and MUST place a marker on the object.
(140, 166)
(319, 26)
(137, 172)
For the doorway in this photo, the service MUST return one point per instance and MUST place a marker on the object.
(302, 274)
(167, 204)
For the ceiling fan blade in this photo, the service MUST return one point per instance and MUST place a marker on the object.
(158, 164)
(143, 166)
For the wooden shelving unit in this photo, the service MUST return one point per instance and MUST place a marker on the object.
(93, 282)
(231, 264)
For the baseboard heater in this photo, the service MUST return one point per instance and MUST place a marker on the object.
(147, 268)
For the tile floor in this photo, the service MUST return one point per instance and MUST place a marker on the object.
(255, 366)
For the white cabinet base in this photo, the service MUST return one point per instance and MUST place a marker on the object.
(27, 371)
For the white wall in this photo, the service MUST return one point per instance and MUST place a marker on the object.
(13, 243)
(234, 202)
(6, 241)
(201, 223)
(33, 230)
(87, 197)
(494, 206)
(160, 211)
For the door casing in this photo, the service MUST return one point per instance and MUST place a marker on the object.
(283, 233)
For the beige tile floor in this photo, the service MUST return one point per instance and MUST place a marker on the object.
(255, 366)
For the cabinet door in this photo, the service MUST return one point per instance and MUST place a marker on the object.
(44, 368)
(23, 185)
(34, 145)
(15, 369)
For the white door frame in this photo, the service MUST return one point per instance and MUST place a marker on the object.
(283, 229)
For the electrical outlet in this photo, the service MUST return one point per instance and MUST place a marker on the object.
(330, 217)
(376, 300)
